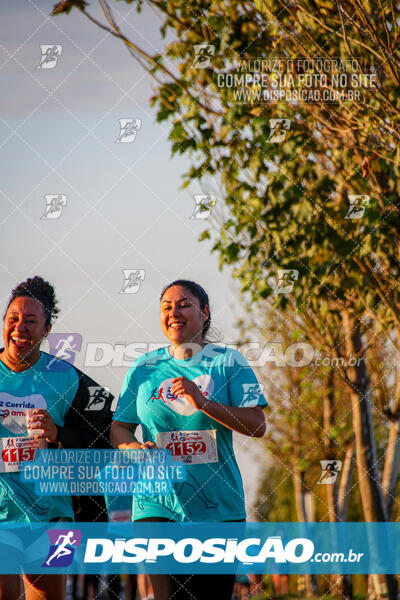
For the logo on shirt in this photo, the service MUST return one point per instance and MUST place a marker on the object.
(13, 410)
(251, 394)
(98, 397)
(62, 547)
(179, 404)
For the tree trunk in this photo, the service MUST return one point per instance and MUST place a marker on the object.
(345, 483)
(303, 501)
(299, 492)
(367, 466)
(392, 458)
(330, 445)
(391, 466)
(370, 591)
(340, 584)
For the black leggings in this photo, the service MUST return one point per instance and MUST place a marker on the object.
(202, 587)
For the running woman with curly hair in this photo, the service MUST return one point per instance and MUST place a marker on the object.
(57, 395)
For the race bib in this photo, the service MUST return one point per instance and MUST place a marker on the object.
(14, 414)
(121, 516)
(191, 447)
(14, 451)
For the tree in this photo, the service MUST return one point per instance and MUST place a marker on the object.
(291, 206)
(309, 427)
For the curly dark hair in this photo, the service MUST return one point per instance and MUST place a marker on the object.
(41, 290)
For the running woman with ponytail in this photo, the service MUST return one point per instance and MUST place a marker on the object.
(189, 397)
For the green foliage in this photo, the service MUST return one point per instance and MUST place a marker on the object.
(296, 217)
(275, 497)
(65, 6)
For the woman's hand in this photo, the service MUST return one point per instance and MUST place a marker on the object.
(147, 445)
(247, 420)
(122, 437)
(192, 394)
(41, 419)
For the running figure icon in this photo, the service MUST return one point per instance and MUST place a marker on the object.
(62, 549)
(63, 348)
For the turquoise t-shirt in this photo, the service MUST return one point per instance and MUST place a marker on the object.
(213, 490)
(50, 384)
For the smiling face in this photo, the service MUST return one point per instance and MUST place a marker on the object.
(182, 319)
(23, 330)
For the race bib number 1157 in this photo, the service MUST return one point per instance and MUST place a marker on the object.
(15, 450)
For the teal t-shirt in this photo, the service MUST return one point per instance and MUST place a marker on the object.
(213, 490)
(50, 384)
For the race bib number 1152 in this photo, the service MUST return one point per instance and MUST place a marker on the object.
(191, 447)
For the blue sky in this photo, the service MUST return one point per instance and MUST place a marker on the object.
(124, 207)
